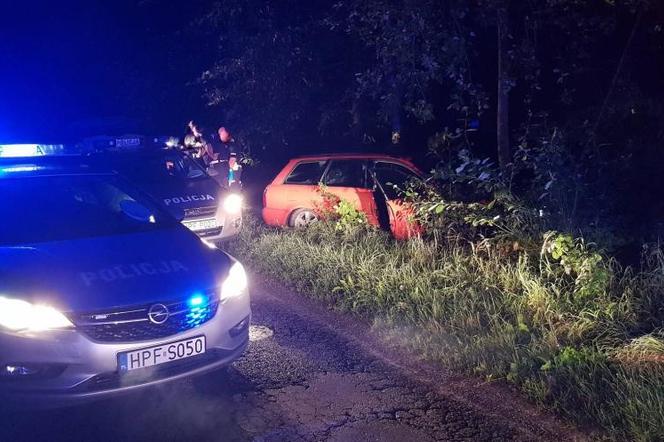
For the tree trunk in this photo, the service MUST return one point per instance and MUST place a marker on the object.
(503, 105)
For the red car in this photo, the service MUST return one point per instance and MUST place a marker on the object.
(365, 180)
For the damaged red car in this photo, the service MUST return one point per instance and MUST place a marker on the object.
(365, 180)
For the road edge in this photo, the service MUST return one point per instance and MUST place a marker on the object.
(497, 400)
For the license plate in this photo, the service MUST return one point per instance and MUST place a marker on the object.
(160, 354)
(202, 224)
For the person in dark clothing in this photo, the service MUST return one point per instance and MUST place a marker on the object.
(218, 155)
(221, 144)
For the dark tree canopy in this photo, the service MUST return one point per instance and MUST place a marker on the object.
(563, 95)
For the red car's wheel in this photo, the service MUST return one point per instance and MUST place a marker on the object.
(302, 218)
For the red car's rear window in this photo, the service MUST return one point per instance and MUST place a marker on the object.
(309, 172)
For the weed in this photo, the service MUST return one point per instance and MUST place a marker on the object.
(572, 328)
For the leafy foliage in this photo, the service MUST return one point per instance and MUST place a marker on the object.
(584, 107)
(267, 73)
(341, 213)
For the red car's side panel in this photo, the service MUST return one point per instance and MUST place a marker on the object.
(283, 199)
(402, 224)
(275, 217)
(361, 199)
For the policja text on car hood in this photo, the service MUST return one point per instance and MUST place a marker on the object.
(102, 272)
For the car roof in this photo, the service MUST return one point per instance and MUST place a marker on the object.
(354, 155)
(142, 153)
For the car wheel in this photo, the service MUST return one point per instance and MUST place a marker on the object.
(302, 218)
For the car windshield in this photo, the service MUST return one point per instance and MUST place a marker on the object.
(157, 168)
(61, 207)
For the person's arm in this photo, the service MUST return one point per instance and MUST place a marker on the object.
(194, 130)
(209, 151)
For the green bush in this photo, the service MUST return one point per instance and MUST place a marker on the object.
(572, 328)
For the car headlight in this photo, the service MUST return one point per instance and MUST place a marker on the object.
(235, 283)
(233, 204)
(19, 315)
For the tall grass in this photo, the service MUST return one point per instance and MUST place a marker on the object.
(596, 356)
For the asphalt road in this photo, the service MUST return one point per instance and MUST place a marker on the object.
(309, 374)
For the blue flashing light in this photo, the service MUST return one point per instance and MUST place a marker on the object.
(16, 169)
(197, 300)
(31, 150)
(20, 150)
(199, 310)
(197, 316)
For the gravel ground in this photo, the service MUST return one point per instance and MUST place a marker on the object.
(309, 374)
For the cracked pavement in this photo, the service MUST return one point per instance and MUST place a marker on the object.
(304, 378)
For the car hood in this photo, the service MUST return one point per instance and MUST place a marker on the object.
(104, 272)
(181, 195)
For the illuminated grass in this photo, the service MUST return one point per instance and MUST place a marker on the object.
(599, 361)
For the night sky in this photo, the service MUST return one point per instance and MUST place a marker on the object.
(73, 68)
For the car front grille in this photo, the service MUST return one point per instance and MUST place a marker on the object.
(133, 324)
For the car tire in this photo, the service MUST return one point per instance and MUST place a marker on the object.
(302, 218)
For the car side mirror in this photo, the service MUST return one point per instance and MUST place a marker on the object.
(136, 211)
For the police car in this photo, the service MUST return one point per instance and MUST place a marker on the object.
(179, 182)
(102, 290)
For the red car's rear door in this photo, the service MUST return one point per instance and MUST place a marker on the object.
(392, 177)
(348, 179)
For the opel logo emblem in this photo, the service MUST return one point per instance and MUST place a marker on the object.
(158, 314)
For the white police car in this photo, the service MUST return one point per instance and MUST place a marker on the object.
(102, 291)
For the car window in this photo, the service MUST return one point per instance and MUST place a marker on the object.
(167, 167)
(53, 208)
(346, 173)
(392, 174)
(307, 173)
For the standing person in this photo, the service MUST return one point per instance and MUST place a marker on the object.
(219, 150)
(223, 147)
(205, 150)
(222, 144)
(234, 167)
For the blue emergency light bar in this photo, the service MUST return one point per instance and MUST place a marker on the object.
(123, 143)
(19, 168)
(20, 150)
(29, 150)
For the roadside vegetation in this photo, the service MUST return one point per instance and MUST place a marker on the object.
(540, 124)
(488, 292)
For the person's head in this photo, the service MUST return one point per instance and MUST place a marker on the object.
(224, 135)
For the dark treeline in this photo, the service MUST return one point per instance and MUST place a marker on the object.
(563, 96)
